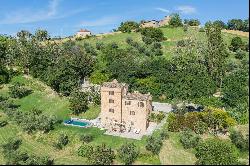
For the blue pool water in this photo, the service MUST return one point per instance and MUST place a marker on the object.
(77, 123)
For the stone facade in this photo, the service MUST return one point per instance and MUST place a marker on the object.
(152, 23)
(123, 111)
(165, 21)
(155, 23)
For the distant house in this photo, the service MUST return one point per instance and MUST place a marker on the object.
(83, 33)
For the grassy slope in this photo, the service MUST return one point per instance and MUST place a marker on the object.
(45, 99)
(173, 35)
(173, 153)
(52, 104)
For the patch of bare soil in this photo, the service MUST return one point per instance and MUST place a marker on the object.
(240, 33)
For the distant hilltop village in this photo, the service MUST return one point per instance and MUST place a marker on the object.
(152, 23)
(155, 23)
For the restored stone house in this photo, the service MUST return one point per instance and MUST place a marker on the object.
(155, 23)
(123, 111)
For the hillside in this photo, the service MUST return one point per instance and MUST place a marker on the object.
(173, 35)
(53, 103)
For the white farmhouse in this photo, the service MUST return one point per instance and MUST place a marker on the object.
(83, 33)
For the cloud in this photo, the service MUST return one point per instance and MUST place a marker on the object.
(163, 10)
(99, 22)
(186, 9)
(30, 16)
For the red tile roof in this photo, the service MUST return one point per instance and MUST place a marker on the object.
(83, 30)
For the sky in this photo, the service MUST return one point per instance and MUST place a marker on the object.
(66, 17)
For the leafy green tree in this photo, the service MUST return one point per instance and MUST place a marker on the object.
(24, 35)
(216, 152)
(128, 153)
(4, 75)
(154, 144)
(150, 35)
(238, 140)
(240, 54)
(236, 43)
(41, 35)
(3, 49)
(193, 22)
(37, 160)
(235, 24)
(101, 155)
(220, 23)
(128, 26)
(63, 140)
(235, 87)
(19, 91)
(189, 139)
(85, 150)
(78, 102)
(215, 53)
(175, 20)
(86, 138)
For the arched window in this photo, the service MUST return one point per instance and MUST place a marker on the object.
(132, 112)
(140, 104)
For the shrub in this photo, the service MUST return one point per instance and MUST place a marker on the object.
(238, 140)
(150, 35)
(200, 127)
(164, 134)
(78, 102)
(201, 30)
(37, 160)
(216, 152)
(101, 156)
(3, 123)
(185, 28)
(175, 122)
(157, 117)
(86, 138)
(19, 91)
(4, 75)
(99, 45)
(189, 139)
(154, 144)
(63, 140)
(85, 150)
(181, 43)
(240, 54)
(236, 43)
(191, 118)
(128, 153)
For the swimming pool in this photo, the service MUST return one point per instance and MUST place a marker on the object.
(79, 123)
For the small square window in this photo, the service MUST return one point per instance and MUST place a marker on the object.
(132, 112)
(111, 92)
(111, 110)
(111, 101)
(127, 102)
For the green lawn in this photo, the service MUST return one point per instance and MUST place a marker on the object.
(42, 144)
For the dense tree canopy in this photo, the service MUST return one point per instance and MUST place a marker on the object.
(175, 20)
(128, 26)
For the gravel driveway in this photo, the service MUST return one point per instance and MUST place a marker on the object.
(164, 107)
